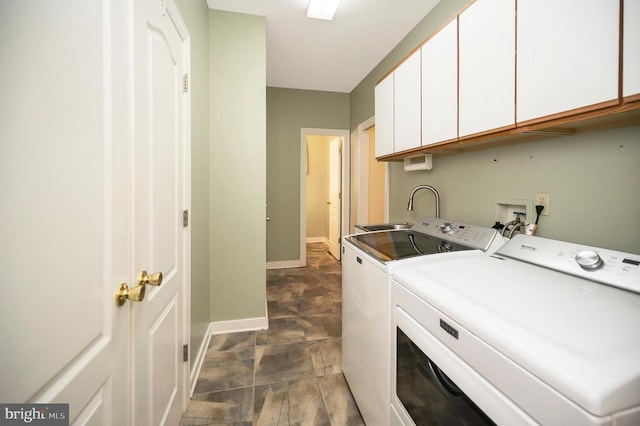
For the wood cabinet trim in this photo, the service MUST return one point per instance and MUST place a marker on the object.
(570, 113)
(582, 121)
(631, 99)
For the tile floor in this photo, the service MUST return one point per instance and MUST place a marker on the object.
(289, 374)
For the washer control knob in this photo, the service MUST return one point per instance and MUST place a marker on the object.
(589, 260)
(446, 227)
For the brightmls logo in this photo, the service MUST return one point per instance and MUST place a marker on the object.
(34, 414)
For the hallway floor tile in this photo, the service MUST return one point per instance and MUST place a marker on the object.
(290, 374)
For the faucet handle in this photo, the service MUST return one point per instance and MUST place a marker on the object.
(519, 214)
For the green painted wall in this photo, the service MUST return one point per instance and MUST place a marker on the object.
(288, 111)
(592, 178)
(196, 16)
(237, 158)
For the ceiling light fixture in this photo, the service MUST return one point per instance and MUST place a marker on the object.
(322, 9)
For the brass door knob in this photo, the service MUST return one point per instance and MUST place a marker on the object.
(124, 293)
(136, 294)
(154, 279)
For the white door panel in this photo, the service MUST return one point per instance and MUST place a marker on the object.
(631, 46)
(406, 103)
(486, 63)
(573, 63)
(160, 197)
(440, 86)
(64, 189)
(385, 139)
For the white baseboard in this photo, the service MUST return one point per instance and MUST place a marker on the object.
(296, 263)
(286, 264)
(236, 326)
(197, 365)
(318, 240)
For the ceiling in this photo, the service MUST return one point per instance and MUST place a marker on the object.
(334, 56)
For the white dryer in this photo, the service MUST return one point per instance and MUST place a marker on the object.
(542, 331)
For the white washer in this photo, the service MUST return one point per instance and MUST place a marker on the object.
(367, 262)
(542, 331)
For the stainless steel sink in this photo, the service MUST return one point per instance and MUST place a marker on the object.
(385, 226)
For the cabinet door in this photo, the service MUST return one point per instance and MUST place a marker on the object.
(487, 66)
(440, 86)
(631, 50)
(567, 55)
(407, 104)
(384, 116)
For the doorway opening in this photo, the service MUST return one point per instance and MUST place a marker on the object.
(370, 178)
(323, 188)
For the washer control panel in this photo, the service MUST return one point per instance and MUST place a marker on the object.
(477, 237)
(615, 268)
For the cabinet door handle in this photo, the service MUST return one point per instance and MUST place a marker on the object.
(359, 260)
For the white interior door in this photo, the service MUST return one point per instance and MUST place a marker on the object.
(87, 202)
(160, 196)
(65, 212)
(335, 202)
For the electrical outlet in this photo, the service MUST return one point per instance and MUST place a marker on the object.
(542, 198)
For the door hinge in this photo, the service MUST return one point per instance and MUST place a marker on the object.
(185, 353)
(185, 83)
(185, 218)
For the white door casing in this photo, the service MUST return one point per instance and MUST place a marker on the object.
(335, 202)
(344, 214)
(65, 172)
(161, 194)
(364, 157)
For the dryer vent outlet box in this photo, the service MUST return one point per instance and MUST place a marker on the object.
(418, 162)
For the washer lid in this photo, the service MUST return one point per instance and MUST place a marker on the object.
(429, 236)
(386, 246)
(580, 337)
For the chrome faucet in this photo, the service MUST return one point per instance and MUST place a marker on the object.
(513, 225)
(430, 188)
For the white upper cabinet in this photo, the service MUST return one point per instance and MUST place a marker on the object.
(384, 116)
(487, 66)
(567, 55)
(440, 86)
(631, 49)
(506, 65)
(407, 103)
